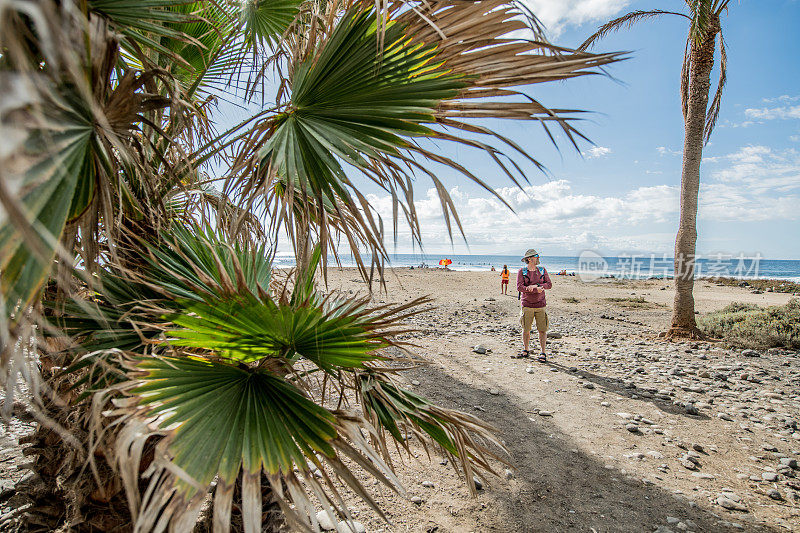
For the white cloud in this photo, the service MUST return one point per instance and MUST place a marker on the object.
(596, 151)
(725, 202)
(773, 113)
(556, 15)
(663, 150)
(550, 212)
(761, 171)
(783, 99)
(753, 183)
(750, 154)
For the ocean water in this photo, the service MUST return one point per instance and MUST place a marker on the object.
(629, 267)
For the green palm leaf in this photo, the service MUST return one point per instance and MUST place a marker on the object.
(218, 420)
(195, 262)
(57, 189)
(348, 100)
(227, 418)
(372, 86)
(150, 24)
(267, 20)
(250, 330)
(118, 319)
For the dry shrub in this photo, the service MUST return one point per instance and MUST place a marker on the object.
(751, 326)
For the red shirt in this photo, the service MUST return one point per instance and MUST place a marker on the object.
(535, 277)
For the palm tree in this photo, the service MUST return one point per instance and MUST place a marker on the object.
(168, 362)
(699, 119)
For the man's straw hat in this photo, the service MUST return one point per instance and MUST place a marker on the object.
(531, 252)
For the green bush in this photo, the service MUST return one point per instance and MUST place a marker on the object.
(750, 326)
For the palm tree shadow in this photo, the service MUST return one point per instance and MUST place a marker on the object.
(557, 487)
(619, 387)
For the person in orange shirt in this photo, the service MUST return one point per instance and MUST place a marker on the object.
(504, 280)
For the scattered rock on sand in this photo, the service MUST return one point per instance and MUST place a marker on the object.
(481, 349)
(727, 503)
(325, 521)
(774, 494)
(351, 527)
(687, 464)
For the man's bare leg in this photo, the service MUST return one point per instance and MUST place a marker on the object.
(543, 340)
(526, 338)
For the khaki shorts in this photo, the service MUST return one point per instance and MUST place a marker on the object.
(529, 314)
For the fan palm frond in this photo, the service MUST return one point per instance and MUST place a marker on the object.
(354, 106)
(223, 421)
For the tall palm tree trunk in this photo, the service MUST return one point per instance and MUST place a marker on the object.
(303, 244)
(702, 61)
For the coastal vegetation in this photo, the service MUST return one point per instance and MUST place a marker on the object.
(764, 285)
(755, 327)
(632, 302)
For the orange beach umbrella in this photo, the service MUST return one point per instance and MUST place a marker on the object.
(445, 262)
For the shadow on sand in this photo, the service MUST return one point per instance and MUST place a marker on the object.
(620, 388)
(556, 487)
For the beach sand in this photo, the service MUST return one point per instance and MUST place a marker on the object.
(599, 437)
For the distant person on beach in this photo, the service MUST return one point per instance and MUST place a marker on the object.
(504, 280)
(532, 281)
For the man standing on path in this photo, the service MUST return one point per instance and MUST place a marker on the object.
(532, 281)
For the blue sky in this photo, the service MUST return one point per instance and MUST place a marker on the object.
(621, 195)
